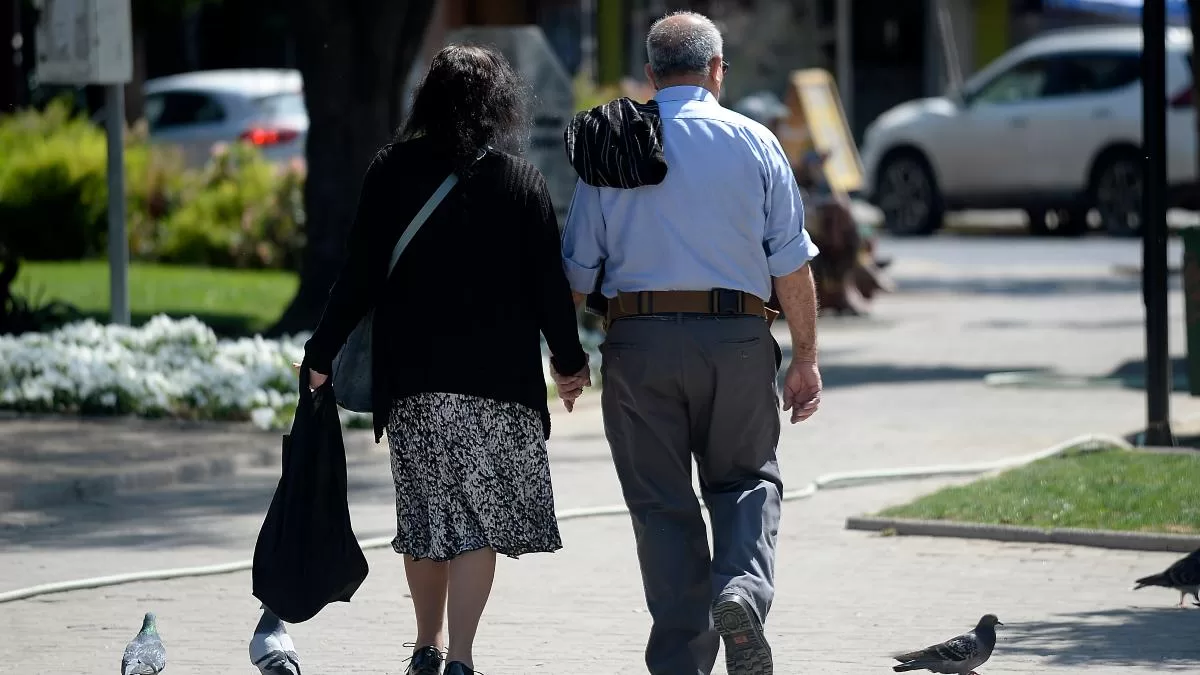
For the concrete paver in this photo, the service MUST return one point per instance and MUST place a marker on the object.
(903, 389)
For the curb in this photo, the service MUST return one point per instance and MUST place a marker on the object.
(158, 476)
(1130, 541)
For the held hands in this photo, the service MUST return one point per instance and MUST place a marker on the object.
(802, 390)
(570, 387)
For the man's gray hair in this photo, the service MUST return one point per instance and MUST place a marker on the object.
(682, 43)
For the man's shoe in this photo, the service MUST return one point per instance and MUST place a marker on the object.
(425, 661)
(458, 668)
(746, 650)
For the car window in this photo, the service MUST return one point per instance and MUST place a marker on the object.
(175, 109)
(282, 105)
(1076, 74)
(1022, 82)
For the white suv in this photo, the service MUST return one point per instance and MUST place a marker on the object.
(1053, 127)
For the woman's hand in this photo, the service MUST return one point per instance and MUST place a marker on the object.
(315, 379)
(570, 387)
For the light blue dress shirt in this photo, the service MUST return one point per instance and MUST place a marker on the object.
(727, 215)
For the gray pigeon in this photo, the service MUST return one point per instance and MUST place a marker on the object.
(956, 656)
(145, 653)
(1183, 576)
(271, 648)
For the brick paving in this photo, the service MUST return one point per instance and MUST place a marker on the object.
(904, 389)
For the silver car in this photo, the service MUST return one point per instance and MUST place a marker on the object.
(195, 111)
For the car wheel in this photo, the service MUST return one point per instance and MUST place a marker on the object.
(1117, 194)
(1074, 222)
(1037, 222)
(908, 195)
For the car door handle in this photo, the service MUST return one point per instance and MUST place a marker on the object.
(1101, 114)
(1018, 122)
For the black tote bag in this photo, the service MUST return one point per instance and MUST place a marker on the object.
(307, 555)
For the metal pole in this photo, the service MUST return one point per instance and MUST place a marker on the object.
(845, 58)
(1154, 224)
(118, 242)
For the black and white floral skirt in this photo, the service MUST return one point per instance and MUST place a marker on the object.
(470, 473)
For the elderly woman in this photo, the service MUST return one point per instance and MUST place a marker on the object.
(458, 322)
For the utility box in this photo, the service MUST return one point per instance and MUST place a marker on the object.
(551, 105)
(84, 42)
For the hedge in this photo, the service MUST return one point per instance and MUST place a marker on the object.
(239, 211)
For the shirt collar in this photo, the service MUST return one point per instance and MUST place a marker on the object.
(684, 92)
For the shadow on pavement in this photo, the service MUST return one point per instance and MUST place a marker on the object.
(857, 374)
(1135, 636)
(1022, 286)
(1022, 324)
(188, 515)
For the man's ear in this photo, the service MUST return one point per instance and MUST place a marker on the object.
(650, 77)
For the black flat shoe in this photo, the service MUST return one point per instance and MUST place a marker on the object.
(425, 661)
(746, 650)
(457, 668)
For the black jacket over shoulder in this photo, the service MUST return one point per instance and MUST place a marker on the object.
(463, 310)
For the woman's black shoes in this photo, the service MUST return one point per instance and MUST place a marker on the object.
(426, 661)
(457, 668)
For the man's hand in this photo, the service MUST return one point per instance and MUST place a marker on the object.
(802, 390)
(570, 387)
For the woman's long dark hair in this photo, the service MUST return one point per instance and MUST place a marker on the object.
(471, 97)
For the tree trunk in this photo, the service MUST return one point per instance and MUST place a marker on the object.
(354, 56)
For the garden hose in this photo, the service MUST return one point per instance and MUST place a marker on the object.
(1086, 443)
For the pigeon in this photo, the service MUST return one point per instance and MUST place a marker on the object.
(1183, 576)
(271, 648)
(145, 653)
(956, 656)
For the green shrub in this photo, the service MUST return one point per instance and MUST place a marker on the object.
(239, 211)
(53, 183)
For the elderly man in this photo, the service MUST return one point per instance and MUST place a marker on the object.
(687, 260)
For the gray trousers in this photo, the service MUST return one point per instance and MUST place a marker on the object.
(684, 388)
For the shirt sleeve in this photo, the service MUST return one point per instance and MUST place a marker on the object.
(353, 293)
(786, 242)
(558, 323)
(583, 239)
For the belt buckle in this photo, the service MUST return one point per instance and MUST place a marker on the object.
(726, 301)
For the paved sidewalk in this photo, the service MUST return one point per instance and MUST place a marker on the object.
(845, 601)
(903, 388)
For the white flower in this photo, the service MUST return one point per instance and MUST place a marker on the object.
(263, 418)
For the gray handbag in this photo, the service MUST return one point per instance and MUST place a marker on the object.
(351, 376)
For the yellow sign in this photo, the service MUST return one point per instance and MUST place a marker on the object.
(817, 122)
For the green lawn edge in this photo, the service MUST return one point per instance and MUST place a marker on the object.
(233, 302)
(1119, 490)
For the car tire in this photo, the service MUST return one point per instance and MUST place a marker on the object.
(1075, 223)
(1037, 222)
(1116, 191)
(908, 195)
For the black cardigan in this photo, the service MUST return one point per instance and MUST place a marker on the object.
(463, 310)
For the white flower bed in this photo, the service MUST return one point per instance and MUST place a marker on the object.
(167, 368)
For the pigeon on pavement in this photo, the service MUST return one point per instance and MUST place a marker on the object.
(271, 648)
(956, 656)
(145, 653)
(1183, 576)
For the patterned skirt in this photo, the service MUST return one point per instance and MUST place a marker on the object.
(470, 473)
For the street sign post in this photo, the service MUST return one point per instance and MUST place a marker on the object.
(551, 105)
(91, 42)
(1154, 223)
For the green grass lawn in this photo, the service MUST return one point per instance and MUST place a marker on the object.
(1112, 490)
(233, 302)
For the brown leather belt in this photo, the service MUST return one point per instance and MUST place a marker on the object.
(717, 302)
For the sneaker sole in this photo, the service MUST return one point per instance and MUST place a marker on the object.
(746, 650)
